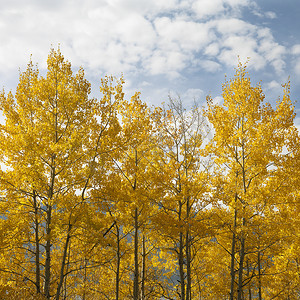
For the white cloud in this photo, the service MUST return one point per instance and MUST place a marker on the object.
(191, 95)
(157, 96)
(296, 49)
(297, 67)
(297, 120)
(187, 35)
(170, 63)
(210, 66)
(218, 100)
(205, 8)
(241, 48)
(273, 52)
(212, 49)
(238, 38)
(149, 8)
(271, 15)
(146, 83)
(231, 26)
(137, 36)
(272, 85)
(237, 3)
(264, 33)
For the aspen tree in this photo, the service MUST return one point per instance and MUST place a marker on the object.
(285, 284)
(49, 142)
(248, 143)
(183, 178)
(134, 170)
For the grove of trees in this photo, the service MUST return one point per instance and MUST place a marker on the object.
(112, 199)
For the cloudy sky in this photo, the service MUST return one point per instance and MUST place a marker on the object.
(182, 47)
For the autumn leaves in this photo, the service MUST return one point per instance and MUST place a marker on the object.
(110, 199)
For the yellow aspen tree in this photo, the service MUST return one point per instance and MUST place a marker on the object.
(249, 143)
(110, 250)
(285, 284)
(49, 143)
(134, 168)
(121, 196)
(183, 178)
(93, 223)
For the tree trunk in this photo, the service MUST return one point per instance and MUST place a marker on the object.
(67, 269)
(188, 256)
(143, 269)
(48, 253)
(181, 269)
(242, 250)
(84, 279)
(48, 229)
(37, 246)
(259, 275)
(136, 260)
(188, 269)
(241, 269)
(249, 286)
(181, 259)
(118, 263)
(232, 263)
(63, 263)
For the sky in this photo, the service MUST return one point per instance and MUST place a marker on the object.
(162, 47)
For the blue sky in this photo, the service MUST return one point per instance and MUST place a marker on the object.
(180, 47)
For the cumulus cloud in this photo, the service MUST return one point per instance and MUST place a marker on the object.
(192, 95)
(208, 8)
(238, 38)
(271, 15)
(272, 52)
(230, 26)
(210, 66)
(296, 49)
(137, 36)
(243, 47)
(272, 85)
(170, 63)
(297, 66)
(297, 120)
(187, 35)
(205, 8)
(212, 49)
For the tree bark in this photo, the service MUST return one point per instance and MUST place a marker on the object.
(48, 253)
(259, 275)
(63, 263)
(65, 279)
(84, 279)
(136, 260)
(241, 269)
(181, 257)
(37, 246)
(48, 229)
(181, 268)
(249, 286)
(118, 263)
(143, 268)
(232, 263)
(242, 250)
(188, 255)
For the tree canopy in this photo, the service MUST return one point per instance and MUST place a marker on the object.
(113, 199)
